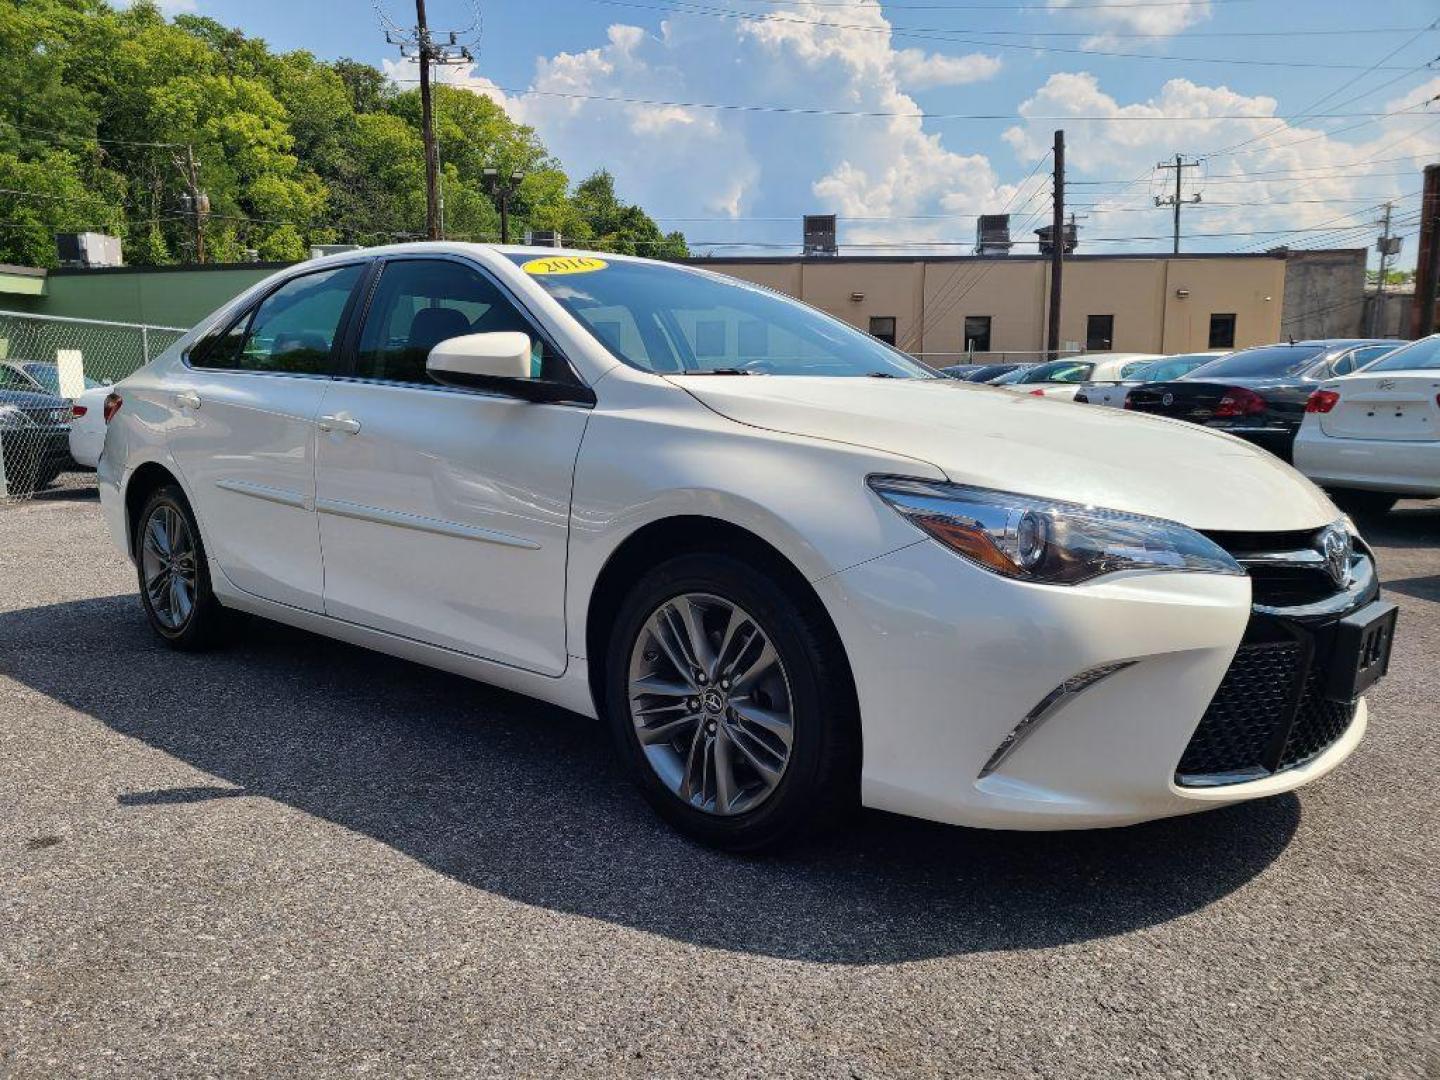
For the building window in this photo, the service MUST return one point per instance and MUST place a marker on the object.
(1099, 333)
(883, 327)
(1222, 331)
(977, 333)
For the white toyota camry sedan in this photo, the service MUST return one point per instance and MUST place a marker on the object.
(792, 568)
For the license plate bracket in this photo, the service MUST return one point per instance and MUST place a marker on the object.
(1362, 650)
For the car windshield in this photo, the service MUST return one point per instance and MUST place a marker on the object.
(1056, 371)
(1172, 367)
(48, 376)
(1267, 360)
(676, 321)
(1422, 355)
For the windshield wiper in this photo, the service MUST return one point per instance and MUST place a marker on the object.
(715, 371)
(880, 375)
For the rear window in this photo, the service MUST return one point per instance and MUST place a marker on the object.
(1258, 363)
(1422, 355)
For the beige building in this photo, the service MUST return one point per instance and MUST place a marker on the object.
(941, 307)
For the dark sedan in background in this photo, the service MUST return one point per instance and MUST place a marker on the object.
(981, 373)
(34, 440)
(1258, 394)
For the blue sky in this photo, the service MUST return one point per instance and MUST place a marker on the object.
(732, 177)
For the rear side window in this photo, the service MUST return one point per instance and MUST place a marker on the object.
(292, 331)
(1423, 355)
(421, 302)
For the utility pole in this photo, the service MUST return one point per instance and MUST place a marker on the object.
(1178, 199)
(1387, 245)
(501, 188)
(1057, 249)
(421, 45)
(1427, 269)
(197, 202)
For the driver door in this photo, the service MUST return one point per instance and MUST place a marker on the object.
(444, 513)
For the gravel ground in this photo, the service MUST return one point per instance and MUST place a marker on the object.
(299, 857)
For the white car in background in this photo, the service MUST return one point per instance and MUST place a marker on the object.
(1112, 392)
(1374, 437)
(791, 567)
(1060, 379)
(87, 426)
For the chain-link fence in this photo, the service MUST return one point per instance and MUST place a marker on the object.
(52, 377)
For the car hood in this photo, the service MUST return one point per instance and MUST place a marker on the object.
(987, 437)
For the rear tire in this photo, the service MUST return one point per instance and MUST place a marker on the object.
(782, 724)
(1364, 503)
(174, 574)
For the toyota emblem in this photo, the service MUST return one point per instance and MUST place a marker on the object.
(1168, 399)
(1335, 546)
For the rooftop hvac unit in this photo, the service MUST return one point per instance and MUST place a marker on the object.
(1072, 240)
(820, 235)
(544, 238)
(88, 249)
(319, 251)
(992, 234)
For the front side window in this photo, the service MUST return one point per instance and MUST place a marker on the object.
(1222, 331)
(1099, 333)
(292, 331)
(977, 333)
(674, 321)
(421, 302)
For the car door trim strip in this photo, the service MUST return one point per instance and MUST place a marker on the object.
(399, 519)
(265, 492)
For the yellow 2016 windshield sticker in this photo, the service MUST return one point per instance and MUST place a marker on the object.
(564, 264)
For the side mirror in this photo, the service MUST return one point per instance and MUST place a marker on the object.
(458, 361)
(498, 362)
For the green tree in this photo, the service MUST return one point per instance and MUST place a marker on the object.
(102, 108)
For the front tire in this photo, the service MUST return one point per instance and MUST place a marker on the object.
(731, 703)
(174, 574)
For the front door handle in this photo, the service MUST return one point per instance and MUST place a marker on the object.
(187, 399)
(346, 424)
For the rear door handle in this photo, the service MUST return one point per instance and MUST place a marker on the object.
(346, 424)
(187, 399)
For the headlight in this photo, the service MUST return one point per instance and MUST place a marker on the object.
(12, 419)
(1041, 540)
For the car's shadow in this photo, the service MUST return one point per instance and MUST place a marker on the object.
(526, 801)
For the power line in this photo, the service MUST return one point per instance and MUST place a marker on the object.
(948, 34)
(914, 114)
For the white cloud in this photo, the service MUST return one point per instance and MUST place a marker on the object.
(1165, 20)
(1248, 182)
(919, 70)
(683, 161)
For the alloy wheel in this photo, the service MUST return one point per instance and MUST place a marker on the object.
(711, 704)
(169, 566)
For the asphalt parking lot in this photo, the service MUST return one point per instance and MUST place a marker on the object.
(299, 857)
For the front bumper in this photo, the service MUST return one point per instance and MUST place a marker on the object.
(948, 659)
